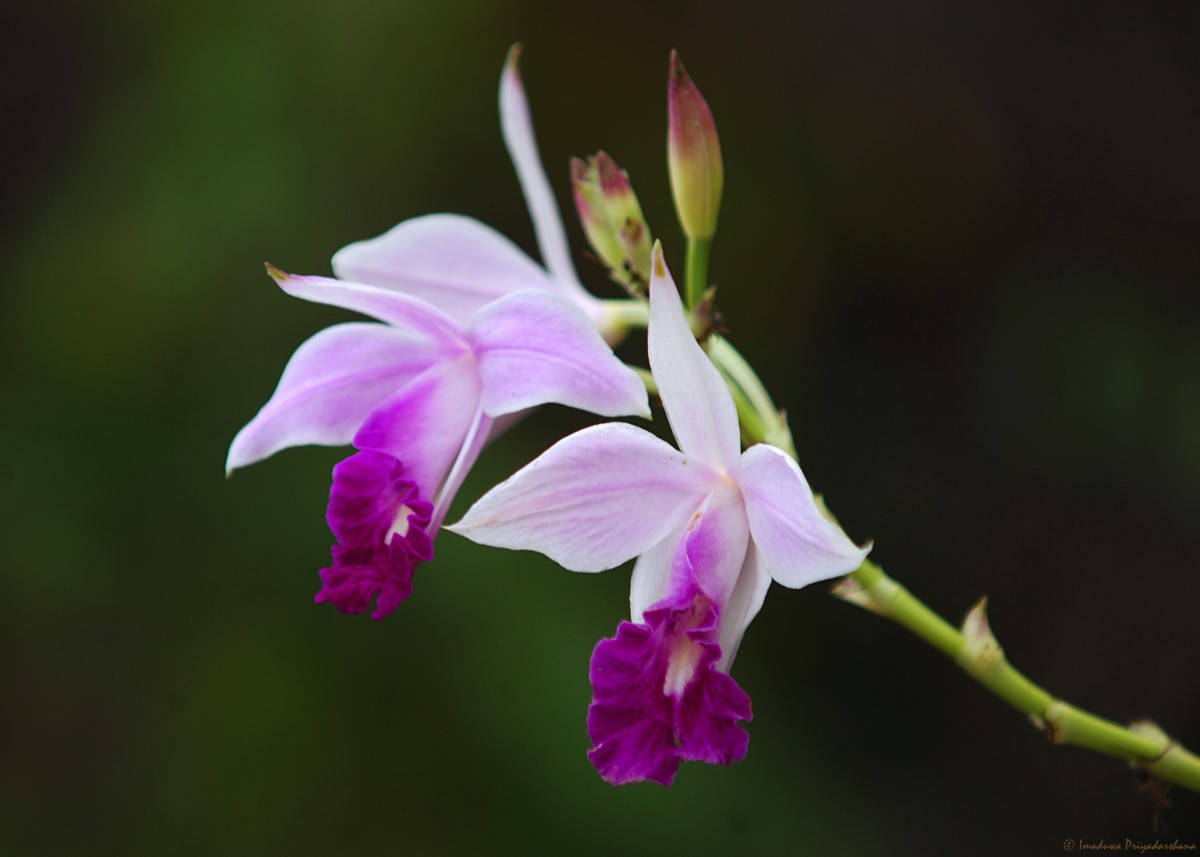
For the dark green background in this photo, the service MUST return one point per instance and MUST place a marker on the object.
(959, 241)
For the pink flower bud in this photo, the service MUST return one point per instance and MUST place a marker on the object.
(693, 155)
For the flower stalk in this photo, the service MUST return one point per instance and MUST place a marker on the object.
(1143, 744)
(696, 273)
(624, 314)
(764, 421)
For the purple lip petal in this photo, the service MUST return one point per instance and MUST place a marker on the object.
(707, 716)
(657, 698)
(350, 588)
(630, 720)
(380, 544)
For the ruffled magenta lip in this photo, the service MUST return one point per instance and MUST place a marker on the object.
(381, 524)
(644, 719)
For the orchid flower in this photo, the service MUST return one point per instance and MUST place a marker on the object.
(418, 396)
(459, 264)
(711, 527)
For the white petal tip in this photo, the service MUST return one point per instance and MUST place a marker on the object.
(231, 461)
(234, 461)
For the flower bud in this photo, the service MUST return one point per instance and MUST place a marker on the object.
(693, 155)
(612, 218)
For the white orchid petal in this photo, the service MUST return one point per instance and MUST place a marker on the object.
(593, 500)
(744, 603)
(330, 384)
(517, 127)
(798, 544)
(697, 401)
(457, 264)
(534, 348)
(648, 583)
(400, 310)
(476, 439)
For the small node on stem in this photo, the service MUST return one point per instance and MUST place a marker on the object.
(981, 651)
(1054, 726)
(874, 597)
(1150, 729)
(704, 318)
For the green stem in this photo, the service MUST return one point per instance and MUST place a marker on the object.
(975, 649)
(622, 315)
(697, 270)
(751, 424)
(647, 379)
(762, 421)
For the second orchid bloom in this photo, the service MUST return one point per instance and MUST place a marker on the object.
(711, 527)
(418, 396)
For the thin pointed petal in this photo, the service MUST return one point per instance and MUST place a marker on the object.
(796, 542)
(424, 425)
(698, 404)
(384, 304)
(534, 348)
(457, 264)
(648, 583)
(517, 127)
(744, 603)
(593, 500)
(477, 438)
(330, 384)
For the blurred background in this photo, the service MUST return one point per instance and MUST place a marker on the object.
(959, 242)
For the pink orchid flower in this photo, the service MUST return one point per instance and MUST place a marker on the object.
(711, 527)
(418, 396)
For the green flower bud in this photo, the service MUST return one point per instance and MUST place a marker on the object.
(612, 218)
